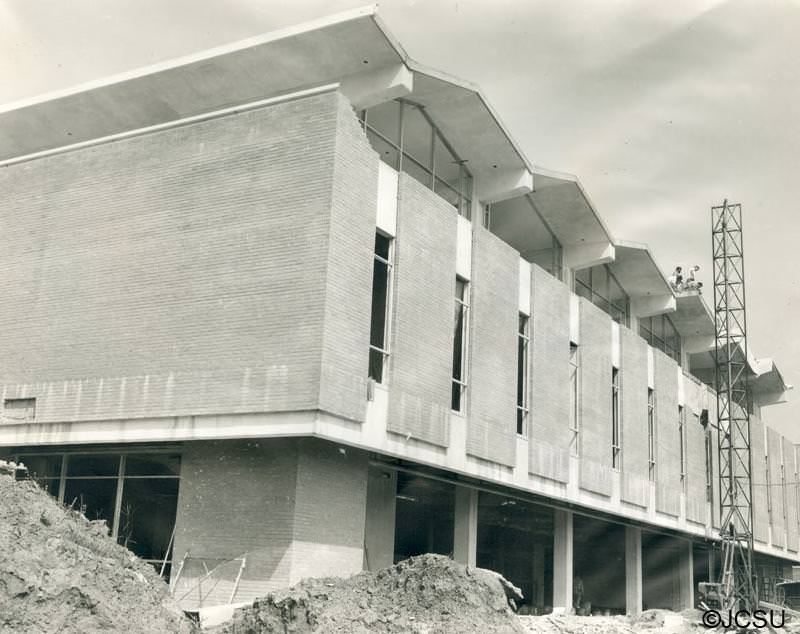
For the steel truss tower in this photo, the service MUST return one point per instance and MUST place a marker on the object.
(739, 589)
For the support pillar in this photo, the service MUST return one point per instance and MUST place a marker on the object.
(686, 574)
(379, 527)
(633, 570)
(712, 573)
(465, 537)
(562, 562)
(538, 575)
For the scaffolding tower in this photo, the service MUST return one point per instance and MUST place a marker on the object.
(738, 587)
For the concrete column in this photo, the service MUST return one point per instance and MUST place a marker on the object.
(538, 574)
(633, 570)
(380, 520)
(686, 574)
(711, 566)
(562, 561)
(465, 537)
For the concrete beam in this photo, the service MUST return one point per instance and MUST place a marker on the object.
(465, 537)
(586, 254)
(650, 305)
(562, 562)
(365, 90)
(633, 570)
(504, 184)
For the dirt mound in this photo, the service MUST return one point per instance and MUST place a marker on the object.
(59, 572)
(422, 595)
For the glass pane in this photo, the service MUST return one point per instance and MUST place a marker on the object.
(385, 119)
(458, 333)
(376, 365)
(582, 277)
(448, 193)
(147, 516)
(380, 296)
(94, 498)
(153, 465)
(382, 244)
(461, 289)
(521, 357)
(600, 281)
(89, 465)
(419, 173)
(388, 154)
(417, 135)
(41, 466)
(447, 166)
(615, 293)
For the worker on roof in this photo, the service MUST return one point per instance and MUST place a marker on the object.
(676, 279)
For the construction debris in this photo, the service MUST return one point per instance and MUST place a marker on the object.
(60, 572)
(421, 595)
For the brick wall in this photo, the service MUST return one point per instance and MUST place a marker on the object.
(184, 271)
(633, 386)
(299, 503)
(774, 453)
(759, 478)
(549, 377)
(791, 497)
(696, 506)
(713, 423)
(421, 362)
(491, 429)
(595, 398)
(350, 262)
(668, 488)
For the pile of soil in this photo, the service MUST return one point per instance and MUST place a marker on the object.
(59, 572)
(422, 595)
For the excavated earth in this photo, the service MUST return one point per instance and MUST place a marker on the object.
(422, 595)
(59, 572)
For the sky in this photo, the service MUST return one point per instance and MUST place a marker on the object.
(662, 109)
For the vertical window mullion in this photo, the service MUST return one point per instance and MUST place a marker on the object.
(118, 500)
(574, 363)
(460, 347)
(523, 341)
(616, 444)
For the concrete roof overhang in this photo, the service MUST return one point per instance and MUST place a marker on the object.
(353, 49)
(642, 279)
(692, 317)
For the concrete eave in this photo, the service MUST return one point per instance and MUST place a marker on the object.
(692, 317)
(643, 280)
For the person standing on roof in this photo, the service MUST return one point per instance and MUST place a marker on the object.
(691, 283)
(676, 279)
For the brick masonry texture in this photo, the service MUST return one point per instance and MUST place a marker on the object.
(491, 428)
(713, 423)
(595, 399)
(185, 271)
(549, 377)
(350, 260)
(790, 489)
(775, 487)
(759, 477)
(696, 507)
(667, 434)
(421, 362)
(289, 492)
(633, 405)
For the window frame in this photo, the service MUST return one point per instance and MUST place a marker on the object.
(682, 441)
(387, 318)
(652, 447)
(575, 390)
(616, 427)
(523, 359)
(461, 304)
(620, 313)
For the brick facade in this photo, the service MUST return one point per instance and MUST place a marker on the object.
(633, 406)
(668, 469)
(759, 479)
(192, 270)
(549, 377)
(595, 398)
(491, 430)
(421, 363)
(777, 518)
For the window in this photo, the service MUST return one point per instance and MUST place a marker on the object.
(381, 292)
(616, 439)
(769, 489)
(406, 138)
(19, 410)
(574, 400)
(460, 330)
(651, 434)
(523, 339)
(709, 465)
(136, 494)
(682, 444)
(599, 286)
(783, 485)
(659, 332)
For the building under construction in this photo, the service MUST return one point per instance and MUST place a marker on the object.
(300, 306)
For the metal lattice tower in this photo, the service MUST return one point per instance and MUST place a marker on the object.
(739, 589)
